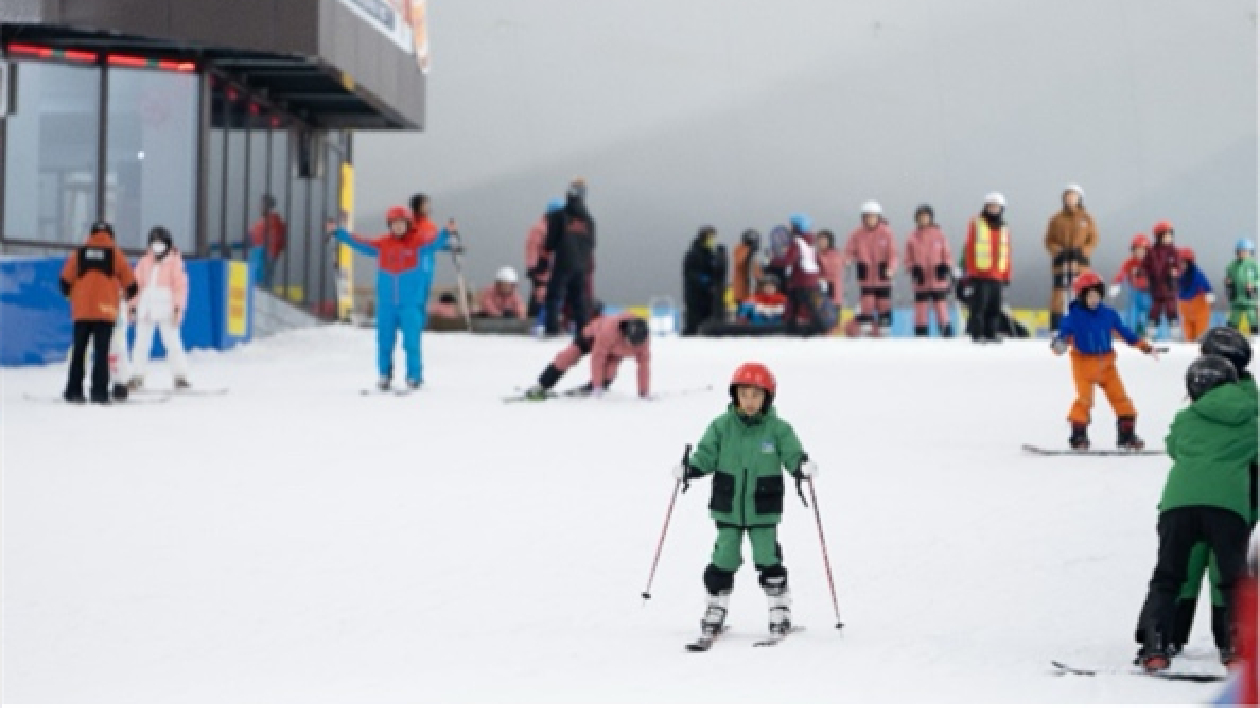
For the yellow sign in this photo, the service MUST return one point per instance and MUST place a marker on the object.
(237, 298)
(345, 256)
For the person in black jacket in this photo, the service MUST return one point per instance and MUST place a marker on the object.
(571, 240)
(704, 280)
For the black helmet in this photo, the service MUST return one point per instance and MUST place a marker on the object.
(635, 330)
(597, 308)
(1229, 343)
(924, 209)
(102, 225)
(161, 233)
(1208, 372)
(751, 237)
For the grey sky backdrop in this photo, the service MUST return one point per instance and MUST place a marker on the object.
(739, 112)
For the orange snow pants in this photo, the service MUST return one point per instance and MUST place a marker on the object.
(1089, 370)
(1196, 314)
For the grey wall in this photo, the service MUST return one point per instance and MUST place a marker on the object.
(739, 112)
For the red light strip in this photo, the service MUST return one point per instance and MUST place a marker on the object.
(32, 50)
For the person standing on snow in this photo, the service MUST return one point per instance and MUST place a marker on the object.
(746, 449)
(1088, 329)
(161, 304)
(831, 267)
(537, 260)
(987, 263)
(571, 241)
(1132, 279)
(929, 263)
(1213, 444)
(1242, 278)
(401, 291)
(501, 299)
(1071, 238)
(1194, 295)
(747, 268)
(92, 277)
(704, 280)
(799, 264)
(1162, 272)
(872, 248)
(608, 340)
(432, 240)
(267, 240)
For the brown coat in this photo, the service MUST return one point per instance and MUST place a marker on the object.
(747, 272)
(1071, 229)
(94, 277)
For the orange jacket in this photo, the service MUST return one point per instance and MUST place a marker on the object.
(93, 277)
(747, 272)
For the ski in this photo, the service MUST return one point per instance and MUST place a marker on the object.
(400, 392)
(131, 400)
(583, 392)
(776, 638)
(190, 392)
(1062, 669)
(705, 640)
(1056, 452)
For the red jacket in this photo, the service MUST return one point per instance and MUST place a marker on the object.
(800, 262)
(1161, 269)
(1133, 273)
(987, 253)
(269, 231)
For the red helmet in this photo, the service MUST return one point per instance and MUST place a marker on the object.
(1140, 241)
(754, 375)
(1186, 254)
(1085, 281)
(1162, 228)
(397, 213)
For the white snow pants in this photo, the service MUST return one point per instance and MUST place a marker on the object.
(157, 311)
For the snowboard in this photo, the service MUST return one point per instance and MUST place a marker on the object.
(130, 401)
(1046, 451)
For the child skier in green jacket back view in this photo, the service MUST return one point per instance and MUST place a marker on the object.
(746, 450)
(1242, 278)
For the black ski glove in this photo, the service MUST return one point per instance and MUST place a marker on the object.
(942, 271)
(916, 272)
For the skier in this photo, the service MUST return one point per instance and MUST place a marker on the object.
(928, 260)
(798, 263)
(1160, 265)
(831, 267)
(747, 267)
(1212, 444)
(1242, 277)
(571, 241)
(607, 340)
(267, 240)
(1071, 237)
(1233, 347)
(537, 260)
(432, 240)
(501, 299)
(1131, 278)
(704, 279)
(987, 263)
(161, 304)
(1088, 328)
(872, 247)
(92, 277)
(401, 285)
(1195, 296)
(746, 450)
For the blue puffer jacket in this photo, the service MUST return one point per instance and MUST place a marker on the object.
(1192, 282)
(1090, 331)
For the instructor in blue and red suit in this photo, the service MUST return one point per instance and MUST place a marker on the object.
(446, 239)
(401, 288)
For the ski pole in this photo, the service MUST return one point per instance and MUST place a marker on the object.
(678, 484)
(822, 540)
(461, 285)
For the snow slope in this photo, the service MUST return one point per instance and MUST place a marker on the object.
(294, 541)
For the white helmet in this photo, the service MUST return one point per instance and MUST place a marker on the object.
(995, 198)
(1074, 187)
(871, 206)
(506, 274)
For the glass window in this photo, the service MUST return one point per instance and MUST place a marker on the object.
(50, 160)
(150, 155)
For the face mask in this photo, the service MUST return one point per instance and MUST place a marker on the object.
(159, 247)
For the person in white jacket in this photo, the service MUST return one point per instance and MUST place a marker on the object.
(160, 304)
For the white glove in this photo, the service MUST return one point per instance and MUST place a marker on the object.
(958, 273)
(679, 471)
(809, 469)
(1114, 290)
(1210, 297)
(1059, 345)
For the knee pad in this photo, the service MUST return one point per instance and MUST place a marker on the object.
(718, 581)
(921, 331)
(773, 579)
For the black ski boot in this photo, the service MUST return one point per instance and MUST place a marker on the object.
(1079, 440)
(1126, 439)
(1154, 655)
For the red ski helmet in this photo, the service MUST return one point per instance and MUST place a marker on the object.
(397, 213)
(1087, 281)
(753, 374)
(1186, 254)
(1140, 241)
(1161, 228)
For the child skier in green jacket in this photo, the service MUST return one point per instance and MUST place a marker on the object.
(1212, 443)
(746, 450)
(1242, 277)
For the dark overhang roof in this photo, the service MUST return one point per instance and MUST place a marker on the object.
(308, 89)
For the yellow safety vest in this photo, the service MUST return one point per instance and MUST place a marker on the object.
(982, 256)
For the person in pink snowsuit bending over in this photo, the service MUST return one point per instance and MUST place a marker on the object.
(607, 340)
(872, 248)
(929, 263)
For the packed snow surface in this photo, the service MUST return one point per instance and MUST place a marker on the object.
(296, 541)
